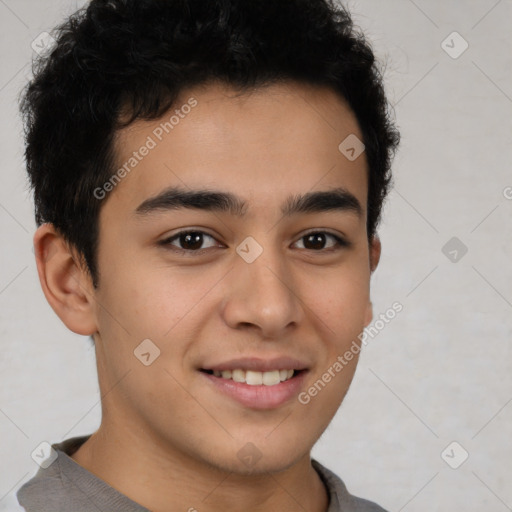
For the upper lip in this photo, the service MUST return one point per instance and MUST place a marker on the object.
(258, 364)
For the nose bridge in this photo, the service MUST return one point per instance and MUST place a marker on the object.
(262, 291)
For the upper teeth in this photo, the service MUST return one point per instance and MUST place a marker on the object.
(256, 378)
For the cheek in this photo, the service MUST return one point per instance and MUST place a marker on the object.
(341, 301)
(140, 297)
(154, 301)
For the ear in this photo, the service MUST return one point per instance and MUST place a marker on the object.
(375, 250)
(66, 285)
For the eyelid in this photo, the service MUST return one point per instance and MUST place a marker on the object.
(166, 242)
(341, 240)
(326, 231)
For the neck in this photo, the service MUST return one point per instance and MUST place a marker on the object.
(167, 479)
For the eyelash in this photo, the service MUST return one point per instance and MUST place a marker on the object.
(340, 242)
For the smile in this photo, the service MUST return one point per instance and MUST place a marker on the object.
(255, 389)
(254, 378)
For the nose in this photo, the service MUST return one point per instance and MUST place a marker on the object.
(262, 296)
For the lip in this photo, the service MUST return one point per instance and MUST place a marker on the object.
(260, 396)
(259, 365)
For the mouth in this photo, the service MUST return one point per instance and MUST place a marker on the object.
(257, 384)
(255, 378)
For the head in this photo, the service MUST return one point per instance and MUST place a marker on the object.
(226, 119)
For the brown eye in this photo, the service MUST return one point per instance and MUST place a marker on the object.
(187, 241)
(316, 241)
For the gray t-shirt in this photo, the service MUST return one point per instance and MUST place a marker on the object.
(65, 486)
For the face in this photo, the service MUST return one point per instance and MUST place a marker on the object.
(231, 291)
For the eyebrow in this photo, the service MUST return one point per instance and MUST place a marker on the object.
(175, 198)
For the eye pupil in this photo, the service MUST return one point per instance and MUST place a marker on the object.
(192, 240)
(317, 239)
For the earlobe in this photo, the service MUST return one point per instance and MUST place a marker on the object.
(66, 285)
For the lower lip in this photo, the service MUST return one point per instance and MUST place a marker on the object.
(261, 396)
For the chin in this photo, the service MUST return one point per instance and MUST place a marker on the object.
(266, 464)
(259, 456)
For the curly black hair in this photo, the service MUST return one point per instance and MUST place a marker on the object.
(115, 56)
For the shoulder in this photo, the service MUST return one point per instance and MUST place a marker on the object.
(340, 498)
(58, 486)
(45, 491)
(64, 485)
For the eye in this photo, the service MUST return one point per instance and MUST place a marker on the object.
(188, 241)
(316, 240)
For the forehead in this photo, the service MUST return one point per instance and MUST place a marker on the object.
(262, 145)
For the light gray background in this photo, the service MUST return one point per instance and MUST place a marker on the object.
(438, 373)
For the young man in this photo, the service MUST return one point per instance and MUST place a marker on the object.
(208, 179)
